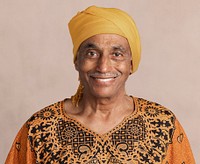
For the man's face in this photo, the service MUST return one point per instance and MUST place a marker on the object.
(104, 64)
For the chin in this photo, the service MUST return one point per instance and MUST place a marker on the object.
(103, 93)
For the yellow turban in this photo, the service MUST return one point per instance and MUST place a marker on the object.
(97, 20)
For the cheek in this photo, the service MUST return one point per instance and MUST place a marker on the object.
(86, 66)
(125, 68)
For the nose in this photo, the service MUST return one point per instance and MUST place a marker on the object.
(104, 63)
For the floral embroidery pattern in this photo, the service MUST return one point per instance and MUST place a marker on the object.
(143, 137)
(47, 114)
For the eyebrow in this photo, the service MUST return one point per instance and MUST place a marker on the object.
(92, 45)
(119, 48)
(89, 45)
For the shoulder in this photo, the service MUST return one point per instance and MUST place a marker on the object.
(151, 108)
(159, 121)
(48, 113)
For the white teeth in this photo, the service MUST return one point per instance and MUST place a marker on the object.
(104, 80)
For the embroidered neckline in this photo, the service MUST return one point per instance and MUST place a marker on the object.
(106, 134)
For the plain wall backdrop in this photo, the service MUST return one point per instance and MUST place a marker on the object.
(36, 66)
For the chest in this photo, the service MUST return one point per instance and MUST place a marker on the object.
(135, 140)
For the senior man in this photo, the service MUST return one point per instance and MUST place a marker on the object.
(101, 123)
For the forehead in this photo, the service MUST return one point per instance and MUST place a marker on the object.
(106, 40)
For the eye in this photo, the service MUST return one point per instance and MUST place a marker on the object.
(91, 54)
(117, 54)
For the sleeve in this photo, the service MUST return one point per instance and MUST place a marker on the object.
(20, 152)
(179, 151)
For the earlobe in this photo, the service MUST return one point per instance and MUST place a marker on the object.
(76, 65)
(131, 68)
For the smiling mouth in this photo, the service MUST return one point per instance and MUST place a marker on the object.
(103, 75)
(104, 79)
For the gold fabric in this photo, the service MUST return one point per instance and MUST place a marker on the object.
(97, 20)
(151, 134)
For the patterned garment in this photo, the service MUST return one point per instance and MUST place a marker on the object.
(150, 135)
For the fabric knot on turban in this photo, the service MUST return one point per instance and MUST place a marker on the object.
(97, 20)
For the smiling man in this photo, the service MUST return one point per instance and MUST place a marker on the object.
(101, 123)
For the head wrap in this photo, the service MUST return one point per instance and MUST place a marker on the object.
(98, 20)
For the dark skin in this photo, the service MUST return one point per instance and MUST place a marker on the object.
(104, 64)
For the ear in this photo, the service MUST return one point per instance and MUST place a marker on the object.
(131, 67)
(76, 64)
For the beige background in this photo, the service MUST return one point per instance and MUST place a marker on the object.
(36, 59)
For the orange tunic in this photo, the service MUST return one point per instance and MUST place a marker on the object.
(150, 135)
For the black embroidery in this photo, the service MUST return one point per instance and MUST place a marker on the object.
(142, 137)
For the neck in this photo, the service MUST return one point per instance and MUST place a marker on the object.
(105, 106)
(102, 114)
